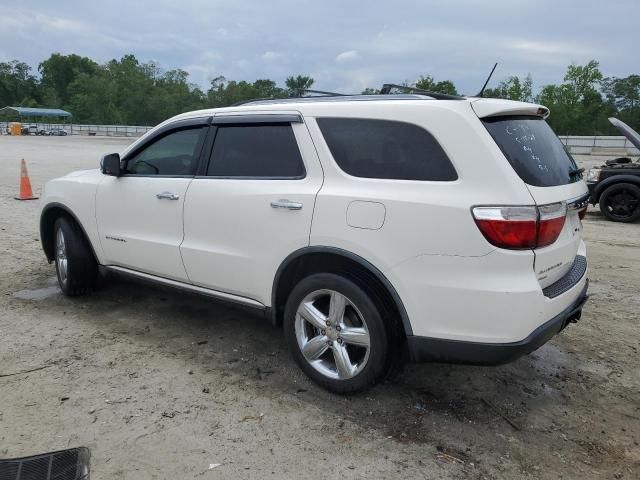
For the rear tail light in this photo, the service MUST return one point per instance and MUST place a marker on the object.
(550, 222)
(521, 227)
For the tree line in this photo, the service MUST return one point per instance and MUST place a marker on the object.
(127, 91)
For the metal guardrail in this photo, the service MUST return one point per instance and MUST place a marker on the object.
(599, 145)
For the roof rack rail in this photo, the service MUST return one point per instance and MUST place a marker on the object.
(326, 94)
(306, 90)
(387, 87)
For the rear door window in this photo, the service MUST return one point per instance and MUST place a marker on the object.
(387, 149)
(533, 150)
(256, 151)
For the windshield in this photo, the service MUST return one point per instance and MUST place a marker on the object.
(533, 150)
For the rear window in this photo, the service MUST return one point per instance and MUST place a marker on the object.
(386, 149)
(533, 150)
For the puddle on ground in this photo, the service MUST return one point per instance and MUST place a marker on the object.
(38, 294)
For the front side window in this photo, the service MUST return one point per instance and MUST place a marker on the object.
(256, 151)
(174, 154)
(386, 149)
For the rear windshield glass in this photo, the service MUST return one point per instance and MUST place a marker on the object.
(533, 150)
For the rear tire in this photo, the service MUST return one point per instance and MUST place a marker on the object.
(76, 267)
(621, 202)
(336, 333)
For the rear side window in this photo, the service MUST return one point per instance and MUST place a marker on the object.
(263, 151)
(533, 150)
(386, 149)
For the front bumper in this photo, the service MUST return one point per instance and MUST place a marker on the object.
(423, 349)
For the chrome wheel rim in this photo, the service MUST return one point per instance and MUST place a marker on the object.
(332, 334)
(61, 256)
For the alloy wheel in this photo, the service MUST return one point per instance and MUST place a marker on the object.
(61, 256)
(332, 334)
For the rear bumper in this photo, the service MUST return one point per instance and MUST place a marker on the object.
(423, 349)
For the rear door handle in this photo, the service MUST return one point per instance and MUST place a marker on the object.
(286, 204)
(167, 195)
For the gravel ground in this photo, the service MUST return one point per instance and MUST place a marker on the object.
(162, 384)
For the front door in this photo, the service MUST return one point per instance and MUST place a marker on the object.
(139, 214)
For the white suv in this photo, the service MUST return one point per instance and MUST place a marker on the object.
(374, 228)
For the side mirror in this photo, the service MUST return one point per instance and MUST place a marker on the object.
(110, 165)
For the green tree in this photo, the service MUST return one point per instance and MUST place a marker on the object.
(297, 85)
(623, 97)
(428, 83)
(577, 107)
(18, 87)
(58, 72)
(513, 88)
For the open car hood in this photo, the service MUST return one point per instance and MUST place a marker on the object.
(627, 131)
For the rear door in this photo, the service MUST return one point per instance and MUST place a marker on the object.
(552, 176)
(252, 205)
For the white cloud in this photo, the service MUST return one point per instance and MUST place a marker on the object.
(348, 56)
(271, 56)
(361, 47)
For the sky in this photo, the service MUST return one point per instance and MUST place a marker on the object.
(344, 45)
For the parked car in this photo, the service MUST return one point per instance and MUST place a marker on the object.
(29, 130)
(373, 228)
(616, 184)
(58, 132)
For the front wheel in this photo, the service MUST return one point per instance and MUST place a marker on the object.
(336, 333)
(621, 202)
(76, 266)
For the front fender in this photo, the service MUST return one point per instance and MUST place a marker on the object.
(602, 185)
(74, 196)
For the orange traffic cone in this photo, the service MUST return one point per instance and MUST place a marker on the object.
(25, 184)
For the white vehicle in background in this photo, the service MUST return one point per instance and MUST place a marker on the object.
(374, 228)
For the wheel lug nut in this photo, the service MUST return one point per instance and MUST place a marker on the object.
(329, 342)
(328, 323)
(323, 332)
(338, 328)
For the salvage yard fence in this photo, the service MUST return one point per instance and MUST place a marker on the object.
(90, 130)
(599, 145)
(579, 145)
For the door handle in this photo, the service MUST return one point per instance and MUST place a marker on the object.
(167, 195)
(286, 204)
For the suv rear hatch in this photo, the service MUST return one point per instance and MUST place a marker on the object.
(549, 172)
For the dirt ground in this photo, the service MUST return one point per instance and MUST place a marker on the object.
(162, 384)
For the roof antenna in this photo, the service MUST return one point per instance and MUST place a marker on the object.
(488, 78)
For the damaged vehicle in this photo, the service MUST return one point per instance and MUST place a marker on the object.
(616, 184)
(373, 228)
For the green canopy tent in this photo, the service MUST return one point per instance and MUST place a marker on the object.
(36, 115)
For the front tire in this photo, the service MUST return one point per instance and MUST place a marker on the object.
(621, 202)
(336, 333)
(76, 266)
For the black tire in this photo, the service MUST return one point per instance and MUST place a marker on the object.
(375, 365)
(620, 202)
(81, 270)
